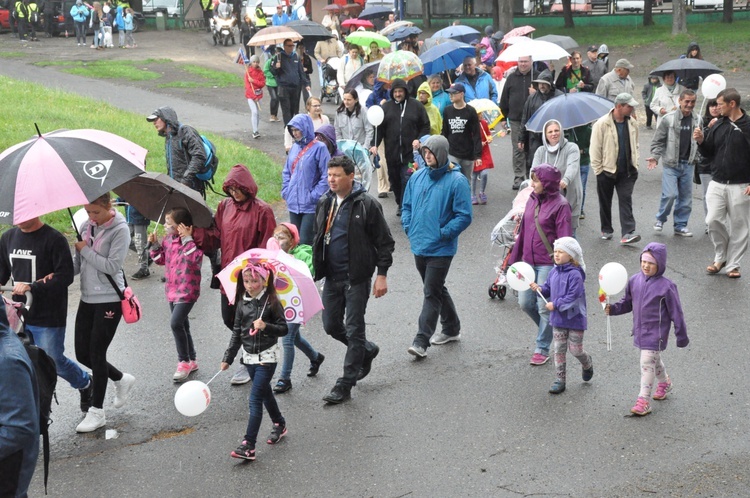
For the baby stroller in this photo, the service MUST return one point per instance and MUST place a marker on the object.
(504, 235)
(330, 90)
(361, 156)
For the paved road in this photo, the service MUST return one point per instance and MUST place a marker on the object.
(473, 419)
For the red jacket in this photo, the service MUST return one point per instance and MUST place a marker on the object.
(255, 80)
(487, 162)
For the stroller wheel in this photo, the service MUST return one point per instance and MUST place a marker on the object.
(492, 291)
(501, 290)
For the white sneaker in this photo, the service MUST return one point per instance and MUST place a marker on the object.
(94, 419)
(242, 376)
(122, 389)
(440, 338)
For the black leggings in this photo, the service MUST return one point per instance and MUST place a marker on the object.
(96, 325)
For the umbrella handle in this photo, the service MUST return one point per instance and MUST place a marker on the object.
(78, 234)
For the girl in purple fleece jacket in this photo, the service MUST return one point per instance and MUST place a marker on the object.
(655, 304)
(567, 305)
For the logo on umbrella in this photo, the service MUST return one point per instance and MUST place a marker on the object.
(97, 170)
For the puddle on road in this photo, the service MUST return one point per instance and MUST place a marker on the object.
(167, 434)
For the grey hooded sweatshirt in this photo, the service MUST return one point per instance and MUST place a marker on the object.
(104, 254)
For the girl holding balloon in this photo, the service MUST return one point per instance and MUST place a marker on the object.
(655, 304)
(258, 323)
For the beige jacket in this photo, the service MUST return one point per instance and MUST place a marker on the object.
(605, 146)
(326, 49)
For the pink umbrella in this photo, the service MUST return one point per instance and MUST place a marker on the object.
(357, 23)
(520, 31)
(294, 284)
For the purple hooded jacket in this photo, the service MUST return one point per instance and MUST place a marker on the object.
(554, 218)
(564, 285)
(655, 304)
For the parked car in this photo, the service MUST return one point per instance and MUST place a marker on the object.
(174, 7)
(708, 4)
(4, 19)
(577, 6)
(630, 5)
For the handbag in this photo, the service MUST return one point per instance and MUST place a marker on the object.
(131, 307)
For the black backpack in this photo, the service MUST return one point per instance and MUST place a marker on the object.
(46, 379)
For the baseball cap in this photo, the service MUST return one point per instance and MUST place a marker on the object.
(624, 63)
(457, 87)
(153, 116)
(627, 99)
(592, 48)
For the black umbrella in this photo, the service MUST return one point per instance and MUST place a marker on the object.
(687, 68)
(357, 76)
(375, 13)
(310, 30)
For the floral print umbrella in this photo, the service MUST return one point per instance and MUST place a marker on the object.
(402, 64)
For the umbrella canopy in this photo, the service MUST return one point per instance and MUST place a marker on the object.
(564, 42)
(294, 284)
(520, 31)
(357, 23)
(273, 35)
(361, 157)
(394, 26)
(461, 33)
(445, 56)
(687, 68)
(402, 64)
(333, 7)
(488, 110)
(310, 30)
(571, 110)
(64, 168)
(365, 38)
(432, 42)
(403, 33)
(538, 50)
(155, 194)
(375, 12)
(360, 73)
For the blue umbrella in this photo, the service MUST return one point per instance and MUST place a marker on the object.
(571, 110)
(403, 33)
(460, 33)
(448, 55)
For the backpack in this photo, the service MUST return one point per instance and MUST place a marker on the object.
(212, 161)
(46, 379)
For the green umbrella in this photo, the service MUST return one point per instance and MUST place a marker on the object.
(402, 64)
(365, 38)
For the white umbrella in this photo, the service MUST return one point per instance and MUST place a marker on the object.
(538, 50)
(394, 26)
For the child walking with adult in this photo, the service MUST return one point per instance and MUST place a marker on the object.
(182, 261)
(481, 168)
(258, 323)
(255, 80)
(129, 27)
(565, 291)
(655, 304)
(287, 236)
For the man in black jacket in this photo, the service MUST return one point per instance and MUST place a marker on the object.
(728, 194)
(351, 240)
(515, 93)
(404, 123)
(291, 77)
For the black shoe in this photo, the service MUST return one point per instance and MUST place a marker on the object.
(282, 386)
(142, 273)
(557, 387)
(517, 183)
(398, 211)
(244, 451)
(87, 393)
(277, 433)
(383, 195)
(338, 394)
(315, 365)
(588, 373)
(367, 364)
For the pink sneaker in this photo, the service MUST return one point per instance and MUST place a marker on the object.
(641, 407)
(662, 389)
(193, 366)
(183, 370)
(539, 359)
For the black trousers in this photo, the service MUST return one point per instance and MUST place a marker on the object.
(605, 189)
(289, 100)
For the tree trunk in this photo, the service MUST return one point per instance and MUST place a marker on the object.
(505, 12)
(568, 14)
(679, 17)
(426, 14)
(496, 14)
(728, 11)
(648, 12)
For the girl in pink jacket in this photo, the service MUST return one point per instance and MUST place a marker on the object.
(182, 260)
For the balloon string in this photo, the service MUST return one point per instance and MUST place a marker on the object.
(212, 378)
(609, 330)
(540, 295)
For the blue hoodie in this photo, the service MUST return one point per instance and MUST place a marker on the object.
(436, 206)
(655, 304)
(305, 174)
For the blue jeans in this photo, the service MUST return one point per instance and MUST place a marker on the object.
(534, 306)
(289, 341)
(437, 301)
(342, 299)
(305, 223)
(52, 341)
(676, 184)
(261, 395)
(584, 176)
(180, 324)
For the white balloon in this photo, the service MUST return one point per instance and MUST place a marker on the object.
(192, 398)
(712, 85)
(375, 115)
(522, 277)
(613, 277)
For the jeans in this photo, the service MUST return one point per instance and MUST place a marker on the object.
(289, 100)
(180, 324)
(605, 188)
(584, 177)
(80, 32)
(437, 301)
(289, 341)
(261, 395)
(344, 320)
(479, 177)
(676, 184)
(52, 341)
(140, 240)
(534, 306)
(305, 223)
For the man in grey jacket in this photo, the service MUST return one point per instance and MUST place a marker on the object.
(616, 81)
(673, 142)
